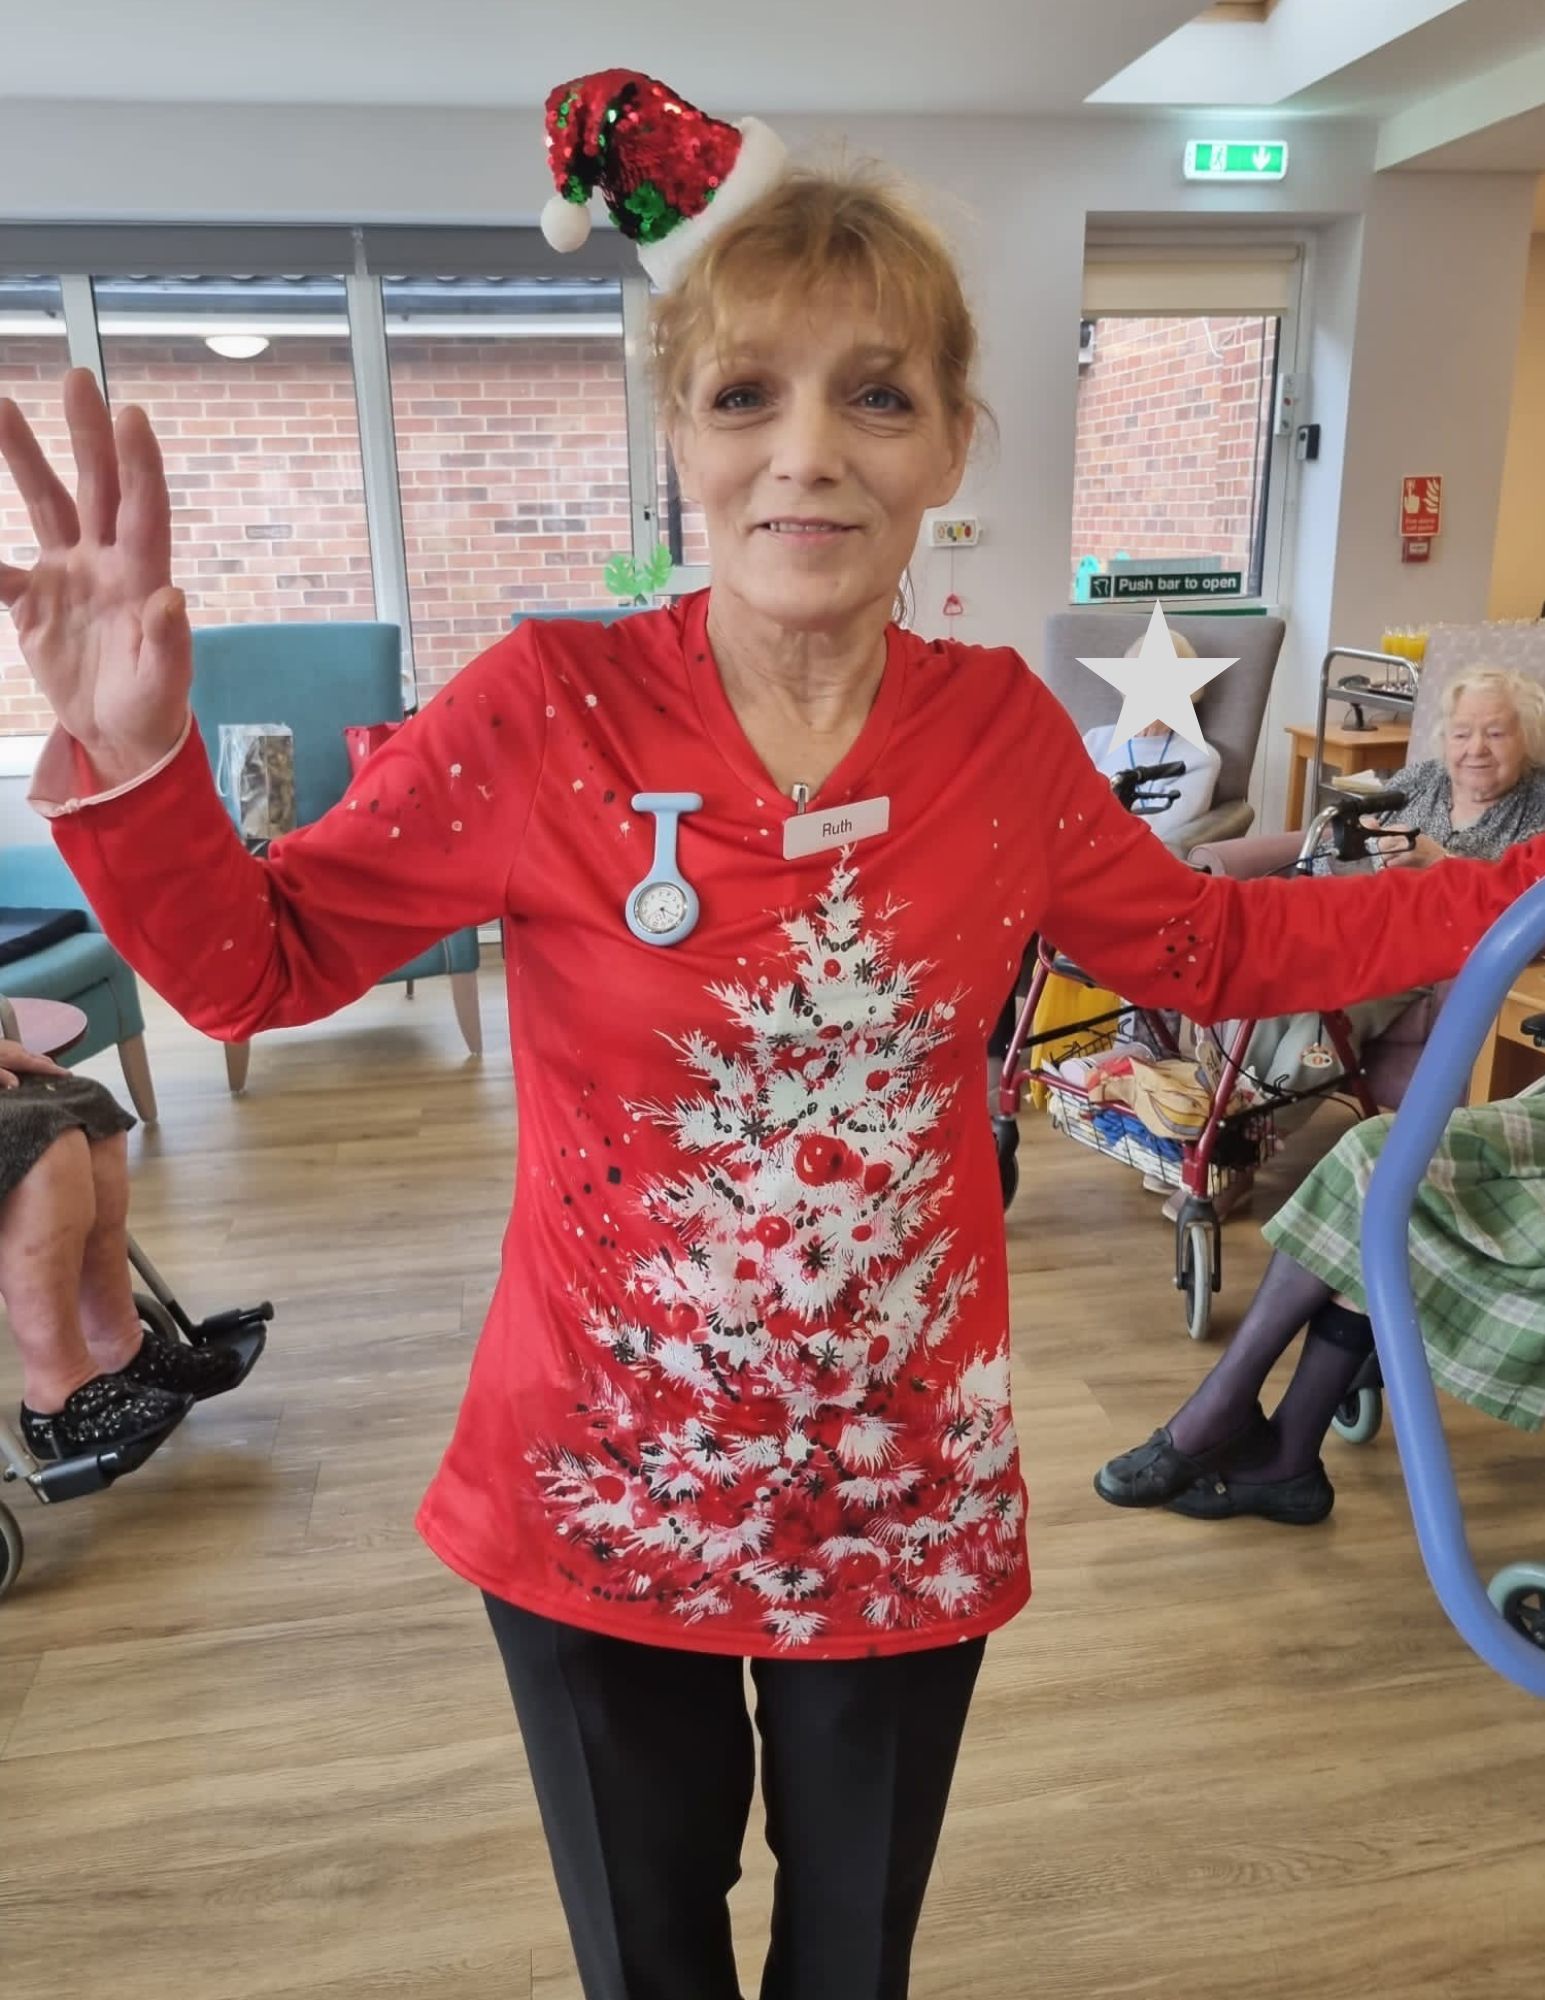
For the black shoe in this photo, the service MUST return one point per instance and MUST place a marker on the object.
(164, 1362)
(1153, 1474)
(1300, 1502)
(107, 1410)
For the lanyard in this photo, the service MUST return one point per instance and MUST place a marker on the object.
(1132, 763)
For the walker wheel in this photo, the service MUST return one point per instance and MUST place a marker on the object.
(1005, 1133)
(1198, 1277)
(10, 1550)
(1360, 1417)
(1519, 1594)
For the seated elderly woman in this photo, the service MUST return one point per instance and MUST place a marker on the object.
(1478, 1273)
(92, 1374)
(1482, 792)
(1158, 744)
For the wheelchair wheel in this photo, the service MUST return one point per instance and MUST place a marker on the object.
(10, 1550)
(1005, 1133)
(1360, 1417)
(1519, 1594)
(1196, 1277)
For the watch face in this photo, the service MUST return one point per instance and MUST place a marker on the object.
(659, 907)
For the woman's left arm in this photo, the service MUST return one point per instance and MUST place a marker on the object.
(1163, 934)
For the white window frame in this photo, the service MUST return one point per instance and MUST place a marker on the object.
(1282, 480)
(643, 436)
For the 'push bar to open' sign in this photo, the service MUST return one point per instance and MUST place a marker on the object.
(1168, 583)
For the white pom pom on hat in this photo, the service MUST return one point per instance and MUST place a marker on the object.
(565, 224)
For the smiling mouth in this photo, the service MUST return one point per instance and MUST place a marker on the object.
(806, 530)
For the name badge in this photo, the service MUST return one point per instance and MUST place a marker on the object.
(838, 826)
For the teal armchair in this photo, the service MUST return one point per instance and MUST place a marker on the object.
(320, 679)
(83, 969)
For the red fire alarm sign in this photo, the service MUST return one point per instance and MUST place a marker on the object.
(1421, 507)
(1418, 549)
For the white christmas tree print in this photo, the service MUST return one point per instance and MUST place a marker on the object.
(775, 1425)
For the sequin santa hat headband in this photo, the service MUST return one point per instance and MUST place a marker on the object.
(669, 174)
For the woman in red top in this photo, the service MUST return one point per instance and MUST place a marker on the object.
(767, 865)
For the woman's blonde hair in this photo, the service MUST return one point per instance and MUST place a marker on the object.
(1524, 696)
(814, 231)
(1184, 650)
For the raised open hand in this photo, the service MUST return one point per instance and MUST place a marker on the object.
(99, 622)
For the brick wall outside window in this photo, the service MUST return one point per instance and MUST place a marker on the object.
(1171, 420)
(512, 460)
(512, 467)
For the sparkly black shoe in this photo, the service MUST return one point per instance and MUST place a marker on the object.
(106, 1411)
(164, 1362)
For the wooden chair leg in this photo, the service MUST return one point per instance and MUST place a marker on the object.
(237, 1057)
(468, 1013)
(136, 1075)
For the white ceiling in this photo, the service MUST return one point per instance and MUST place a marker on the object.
(819, 56)
(1463, 43)
(1454, 83)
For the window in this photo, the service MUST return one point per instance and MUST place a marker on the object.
(442, 451)
(681, 520)
(1174, 424)
(1178, 367)
(248, 384)
(33, 357)
(510, 415)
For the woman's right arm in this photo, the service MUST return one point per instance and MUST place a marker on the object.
(423, 844)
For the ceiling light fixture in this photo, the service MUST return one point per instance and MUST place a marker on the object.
(236, 346)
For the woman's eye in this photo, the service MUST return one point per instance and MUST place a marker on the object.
(885, 401)
(742, 396)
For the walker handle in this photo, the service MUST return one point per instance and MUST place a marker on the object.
(1436, 1088)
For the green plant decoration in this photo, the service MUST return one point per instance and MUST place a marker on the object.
(636, 582)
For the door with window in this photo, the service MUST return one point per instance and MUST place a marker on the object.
(1180, 467)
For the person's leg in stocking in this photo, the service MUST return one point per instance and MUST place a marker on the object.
(1225, 1409)
(1275, 1471)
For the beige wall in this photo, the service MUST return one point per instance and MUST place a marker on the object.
(1518, 563)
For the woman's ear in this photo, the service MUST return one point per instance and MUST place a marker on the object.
(962, 429)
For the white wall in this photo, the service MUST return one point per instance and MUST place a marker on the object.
(1518, 560)
(1417, 306)
(1439, 305)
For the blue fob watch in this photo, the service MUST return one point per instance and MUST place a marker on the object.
(663, 908)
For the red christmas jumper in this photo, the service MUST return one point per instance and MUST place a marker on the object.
(744, 1384)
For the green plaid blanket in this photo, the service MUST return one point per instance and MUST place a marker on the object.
(1477, 1249)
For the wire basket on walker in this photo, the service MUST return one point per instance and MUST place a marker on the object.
(1204, 1153)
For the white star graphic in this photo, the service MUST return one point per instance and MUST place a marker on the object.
(1158, 685)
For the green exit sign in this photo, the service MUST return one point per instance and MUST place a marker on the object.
(1237, 160)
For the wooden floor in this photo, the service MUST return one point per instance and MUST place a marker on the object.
(254, 1741)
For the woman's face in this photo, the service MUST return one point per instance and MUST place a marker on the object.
(1483, 746)
(813, 447)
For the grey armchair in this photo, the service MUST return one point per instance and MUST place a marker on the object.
(1230, 708)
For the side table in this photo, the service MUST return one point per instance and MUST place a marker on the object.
(1383, 748)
